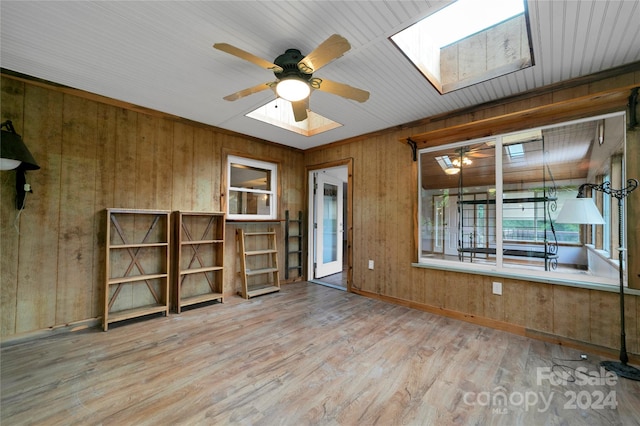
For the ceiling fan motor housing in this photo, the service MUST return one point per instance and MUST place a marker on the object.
(288, 61)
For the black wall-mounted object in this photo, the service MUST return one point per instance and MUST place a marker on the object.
(15, 154)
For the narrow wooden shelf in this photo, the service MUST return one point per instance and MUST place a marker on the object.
(128, 246)
(201, 298)
(137, 312)
(186, 243)
(198, 257)
(201, 270)
(135, 278)
(293, 241)
(260, 291)
(259, 252)
(252, 272)
(259, 262)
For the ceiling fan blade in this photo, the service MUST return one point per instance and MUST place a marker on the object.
(476, 154)
(249, 91)
(340, 89)
(247, 56)
(327, 51)
(300, 109)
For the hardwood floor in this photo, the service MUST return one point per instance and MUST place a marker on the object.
(306, 355)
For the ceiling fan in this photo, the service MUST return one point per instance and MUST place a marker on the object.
(294, 74)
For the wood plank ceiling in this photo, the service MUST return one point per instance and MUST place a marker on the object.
(159, 55)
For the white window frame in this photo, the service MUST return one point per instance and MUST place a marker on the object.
(499, 269)
(271, 192)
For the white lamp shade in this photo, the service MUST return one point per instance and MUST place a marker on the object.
(9, 164)
(580, 210)
(293, 90)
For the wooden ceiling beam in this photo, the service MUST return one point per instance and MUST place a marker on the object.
(558, 112)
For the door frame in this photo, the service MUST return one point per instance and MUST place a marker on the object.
(323, 267)
(348, 226)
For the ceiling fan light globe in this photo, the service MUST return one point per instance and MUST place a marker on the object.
(293, 90)
(452, 170)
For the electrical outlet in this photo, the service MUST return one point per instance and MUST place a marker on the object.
(370, 264)
(497, 288)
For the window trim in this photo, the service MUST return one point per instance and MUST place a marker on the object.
(272, 192)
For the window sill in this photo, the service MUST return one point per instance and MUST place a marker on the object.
(492, 271)
(254, 220)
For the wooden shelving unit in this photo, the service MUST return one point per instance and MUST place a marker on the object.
(199, 258)
(137, 264)
(259, 262)
(293, 238)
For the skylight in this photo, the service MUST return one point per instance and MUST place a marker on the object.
(279, 113)
(468, 42)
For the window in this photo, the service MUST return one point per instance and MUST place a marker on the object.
(252, 188)
(467, 42)
(492, 203)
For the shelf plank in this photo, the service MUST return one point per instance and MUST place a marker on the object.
(141, 245)
(259, 233)
(200, 270)
(134, 278)
(137, 312)
(263, 290)
(187, 243)
(257, 252)
(250, 272)
(192, 300)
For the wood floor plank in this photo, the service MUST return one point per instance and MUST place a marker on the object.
(305, 355)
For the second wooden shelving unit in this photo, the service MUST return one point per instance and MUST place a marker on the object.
(259, 262)
(199, 258)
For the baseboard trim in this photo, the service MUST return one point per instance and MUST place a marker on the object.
(73, 327)
(505, 326)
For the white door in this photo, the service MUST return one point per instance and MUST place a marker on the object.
(329, 225)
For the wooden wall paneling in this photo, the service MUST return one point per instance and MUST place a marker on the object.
(153, 184)
(571, 312)
(390, 191)
(205, 170)
(153, 163)
(374, 239)
(125, 166)
(615, 81)
(182, 194)
(355, 153)
(38, 257)
(385, 238)
(12, 107)
(435, 287)
(539, 307)
(631, 324)
(475, 296)
(76, 280)
(493, 304)
(515, 301)
(457, 292)
(418, 288)
(406, 202)
(104, 195)
(604, 319)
